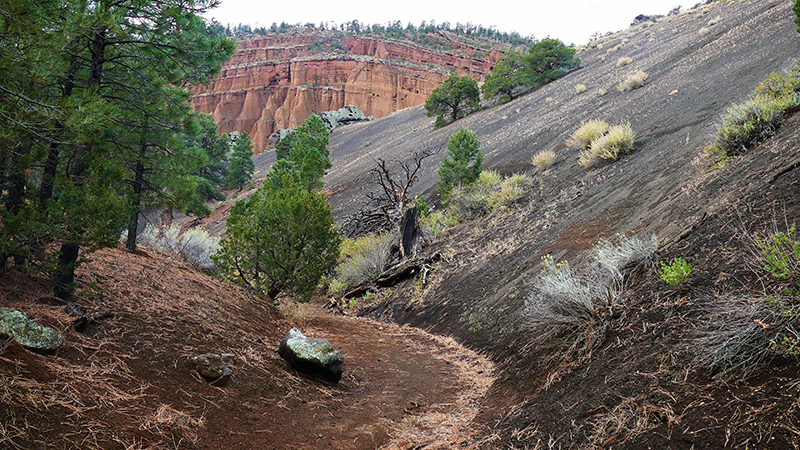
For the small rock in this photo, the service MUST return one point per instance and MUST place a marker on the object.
(211, 366)
(26, 332)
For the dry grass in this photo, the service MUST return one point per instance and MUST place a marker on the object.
(168, 419)
(563, 310)
(580, 88)
(586, 133)
(632, 81)
(624, 61)
(743, 332)
(631, 417)
(704, 31)
(619, 138)
(544, 159)
(91, 384)
(363, 259)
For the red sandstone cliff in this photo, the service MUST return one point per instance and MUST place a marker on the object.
(277, 82)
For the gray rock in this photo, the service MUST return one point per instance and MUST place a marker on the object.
(212, 367)
(343, 116)
(26, 332)
(312, 355)
(332, 119)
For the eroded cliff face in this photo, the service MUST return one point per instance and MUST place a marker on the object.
(277, 82)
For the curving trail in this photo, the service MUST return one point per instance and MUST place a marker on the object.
(124, 382)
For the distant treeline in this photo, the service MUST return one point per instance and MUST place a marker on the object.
(394, 30)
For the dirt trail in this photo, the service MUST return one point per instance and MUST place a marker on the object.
(123, 384)
(400, 384)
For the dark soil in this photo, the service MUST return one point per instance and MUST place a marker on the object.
(124, 382)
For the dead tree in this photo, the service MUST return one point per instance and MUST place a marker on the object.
(388, 194)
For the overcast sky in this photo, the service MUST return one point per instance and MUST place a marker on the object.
(572, 21)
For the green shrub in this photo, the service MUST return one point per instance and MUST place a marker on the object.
(435, 224)
(337, 288)
(608, 146)
(509, 190)
(781, 84)
(423, 210)
(676, 273)
(745, 124)
(780, 254)
(489, 192)
(280, 240)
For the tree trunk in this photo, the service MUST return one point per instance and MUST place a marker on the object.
(410, 233)
(68, 258)
(51, 164)
(138, 186)
(65, 273)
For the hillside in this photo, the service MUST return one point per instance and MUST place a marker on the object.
(639, 378)
(632, 381)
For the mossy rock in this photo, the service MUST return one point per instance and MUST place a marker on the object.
(27, 333)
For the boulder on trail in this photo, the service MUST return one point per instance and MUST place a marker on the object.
(212, 367)
(26, 332)
(312, 355)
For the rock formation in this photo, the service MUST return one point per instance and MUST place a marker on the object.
(275, 82)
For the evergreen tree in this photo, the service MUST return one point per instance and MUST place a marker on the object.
(280, 240)
(453, 99)
(303, 155)
(463, 163)
(241, 167)
(92, 99)
(201, 137)
(549, 59)
(545, 61)
(509, 73)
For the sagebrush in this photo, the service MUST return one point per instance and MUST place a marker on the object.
(564, 307)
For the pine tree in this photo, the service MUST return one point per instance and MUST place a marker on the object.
(93, 100)
(463, 164)
(303, 155)
(241, 167)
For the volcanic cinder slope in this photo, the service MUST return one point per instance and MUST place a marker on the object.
(663, 187)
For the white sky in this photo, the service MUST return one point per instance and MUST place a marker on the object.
(572, 21)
